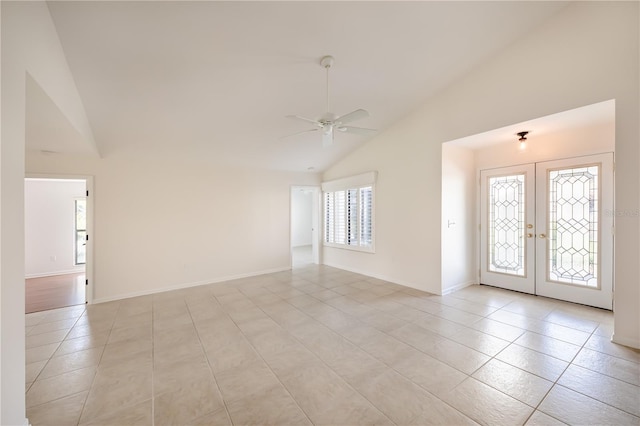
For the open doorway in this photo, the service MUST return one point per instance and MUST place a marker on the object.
(305, 217)
(56, 243)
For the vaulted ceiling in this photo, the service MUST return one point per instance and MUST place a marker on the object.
(216, 79)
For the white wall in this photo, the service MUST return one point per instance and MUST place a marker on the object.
(30, 45)
(164, 220)
(459, 186)
(49, 207)
(586, 54)
(301, 212)
(573, 142)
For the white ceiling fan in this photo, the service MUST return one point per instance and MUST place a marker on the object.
(330, 122)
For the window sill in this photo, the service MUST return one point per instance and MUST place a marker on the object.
(370, 249)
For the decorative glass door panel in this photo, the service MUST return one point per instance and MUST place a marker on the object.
(506, 224)
(573, 225)
(507, 243)
(575, 240)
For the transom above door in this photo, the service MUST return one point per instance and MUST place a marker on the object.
(545, 231)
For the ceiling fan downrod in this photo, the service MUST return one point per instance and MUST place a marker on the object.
(327, 62)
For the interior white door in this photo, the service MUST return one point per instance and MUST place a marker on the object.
(575, 234)
(507, 221)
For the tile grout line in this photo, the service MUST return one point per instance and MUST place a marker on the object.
(153, 363)
(47, 363)
(369, 354)
(262, 358)
(513, 342)
(58, 347)
(215, 380)
(536, 408)
(410, 345)
(570, 363)
(84, 403)
(555, 382)
(313, 353)
(380, 360)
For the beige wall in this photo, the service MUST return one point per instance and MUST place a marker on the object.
(567, 143)
(588, 53)
(459, 230)
(161, 220)
(165, 221)
(30, 46)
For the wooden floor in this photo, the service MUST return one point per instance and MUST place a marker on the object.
(42, 294)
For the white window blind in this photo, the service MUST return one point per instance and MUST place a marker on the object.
(348, 211)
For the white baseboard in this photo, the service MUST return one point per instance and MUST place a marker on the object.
(382, 277)
(450, 290)
(624, 341)
(188, 285)
(55, 274)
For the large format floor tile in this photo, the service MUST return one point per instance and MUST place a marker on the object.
(513, 381)
(318, 345)
(614, 392)
(575, 408)
(486, 405)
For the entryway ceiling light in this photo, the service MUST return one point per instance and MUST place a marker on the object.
(522, 139)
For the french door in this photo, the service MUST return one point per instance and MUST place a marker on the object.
(546, 229)
(507, 227)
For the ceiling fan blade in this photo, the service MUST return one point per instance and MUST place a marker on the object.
(327, 139)
(352, 116)
(299, 133)
(308, 120)
(358, 130)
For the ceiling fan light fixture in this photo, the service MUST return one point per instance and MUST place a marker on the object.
(330, 121)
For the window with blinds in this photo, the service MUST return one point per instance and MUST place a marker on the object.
(349, 217)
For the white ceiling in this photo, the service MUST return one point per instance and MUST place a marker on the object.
(216, 79)
(47, 129)
(590, 115)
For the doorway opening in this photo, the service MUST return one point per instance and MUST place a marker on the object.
(570, 136)
(544, 229)
(305, 226)
(57, 250)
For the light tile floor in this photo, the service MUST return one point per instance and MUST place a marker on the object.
(318, 345)
(301, 256)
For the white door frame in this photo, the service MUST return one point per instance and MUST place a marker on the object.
(316, 214)
(602, 296)
(526, 281)
(90, 225)
(539, 232)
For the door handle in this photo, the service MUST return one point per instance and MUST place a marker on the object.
(529, 235)
(542, 236)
